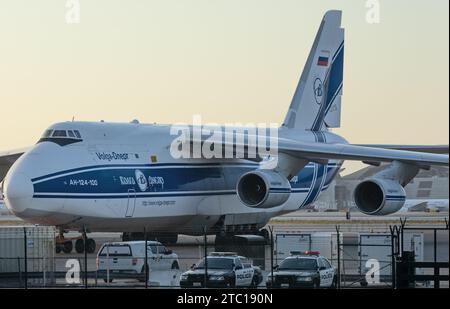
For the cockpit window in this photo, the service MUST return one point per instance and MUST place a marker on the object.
(59, 133)
(47, 133)
(61, 137)
(77, 133)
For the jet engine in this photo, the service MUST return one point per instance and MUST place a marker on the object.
(263, 189)
(383, 193)
(379, 196)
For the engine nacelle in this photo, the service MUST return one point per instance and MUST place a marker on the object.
(379, 197)
(263, 189)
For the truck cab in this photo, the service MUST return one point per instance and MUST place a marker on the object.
(127, 259)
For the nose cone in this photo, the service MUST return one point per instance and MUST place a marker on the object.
(18, 192)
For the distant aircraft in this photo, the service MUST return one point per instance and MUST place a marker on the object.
(122, 177)
(427, 205)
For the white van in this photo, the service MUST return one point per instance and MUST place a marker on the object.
(126, 259)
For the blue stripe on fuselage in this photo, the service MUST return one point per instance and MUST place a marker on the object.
(180, 180)
(321, 173)
(322, 139)
(137, 166)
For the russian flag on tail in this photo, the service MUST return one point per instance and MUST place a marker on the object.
(323, 61)
(324, 58)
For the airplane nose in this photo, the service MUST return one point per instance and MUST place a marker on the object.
(18, 192)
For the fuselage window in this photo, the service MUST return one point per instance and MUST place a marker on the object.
(77, 133)
(70, 132)
(59, 133)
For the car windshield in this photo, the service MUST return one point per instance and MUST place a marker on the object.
(298, 264)
(115, 250)
(216, 263)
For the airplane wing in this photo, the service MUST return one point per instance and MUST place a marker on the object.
(7, 159)
(319, 152)
(360, 153)
(439, 149)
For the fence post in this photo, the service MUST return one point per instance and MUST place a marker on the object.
(20, 271)
(271, 255)
(45, 271)
(402, 232)
(85, 258)
(435, 244)
(436, 270)
(25, 252)
(146, 259)
(338, 256)
(107, 265)
(205, 244)
(393, 274)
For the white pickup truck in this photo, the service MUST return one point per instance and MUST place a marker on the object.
(127, 260)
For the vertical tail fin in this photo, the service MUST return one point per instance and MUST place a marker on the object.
(316, 104)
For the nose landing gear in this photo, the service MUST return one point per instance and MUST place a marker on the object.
(65, 244)
(90, 245)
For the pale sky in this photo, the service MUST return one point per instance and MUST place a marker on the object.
(228, 60)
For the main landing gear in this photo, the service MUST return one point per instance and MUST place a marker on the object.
(62, 244)
(90, 245)
(66, 244)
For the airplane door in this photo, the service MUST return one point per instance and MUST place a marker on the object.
(131, 203)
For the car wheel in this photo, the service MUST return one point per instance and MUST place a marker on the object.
(79, 245)
(254, 283)
(90, 245)
(334, 283)
(232, 283)
(143, 270)
(68, 246)
(106, 280)
(175, 265)
(316, 284)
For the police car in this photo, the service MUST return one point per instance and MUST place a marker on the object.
(223, 269)
(303, 270)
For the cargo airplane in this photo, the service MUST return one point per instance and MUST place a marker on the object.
(121, 177)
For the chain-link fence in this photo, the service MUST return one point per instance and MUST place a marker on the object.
(36, 257)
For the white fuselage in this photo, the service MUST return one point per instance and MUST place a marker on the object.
(121, 177)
